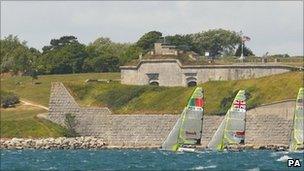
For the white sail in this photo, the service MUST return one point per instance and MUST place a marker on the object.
(297, 140)
(171, 140)
(232, 129)
(216, 140)
(188, 128)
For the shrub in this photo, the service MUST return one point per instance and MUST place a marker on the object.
(8, 99)
(226, 103)
(70, 123)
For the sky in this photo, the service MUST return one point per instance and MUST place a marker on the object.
(274, 27)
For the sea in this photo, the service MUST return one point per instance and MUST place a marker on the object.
(146, 159)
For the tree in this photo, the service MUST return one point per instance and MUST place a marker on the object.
(246, 51)
(131, 53)
(182, 42)
(34, 75)
(104, 55)
(16, 56)
(70, 123)
(146, 42)
(101, 64)
(215, 41)
(64, 55)
(61, 42)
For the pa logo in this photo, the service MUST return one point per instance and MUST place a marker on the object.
(293, 163)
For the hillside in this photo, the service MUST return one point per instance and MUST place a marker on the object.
(219, 94)
(40, 92)
(22, 121)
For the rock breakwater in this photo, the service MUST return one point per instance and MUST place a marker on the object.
(53, 143)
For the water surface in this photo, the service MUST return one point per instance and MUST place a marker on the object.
(144, 159)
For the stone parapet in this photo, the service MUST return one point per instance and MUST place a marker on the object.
(170, 72)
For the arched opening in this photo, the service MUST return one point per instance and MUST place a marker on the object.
(192, 84)
(154, 83)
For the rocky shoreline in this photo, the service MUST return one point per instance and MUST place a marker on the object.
(97, 143)
(278, 147)
(53, 143)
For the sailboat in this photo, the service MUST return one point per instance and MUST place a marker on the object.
(297, 141)
(232, 129)
(187, 131)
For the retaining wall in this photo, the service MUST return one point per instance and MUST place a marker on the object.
(266, 125)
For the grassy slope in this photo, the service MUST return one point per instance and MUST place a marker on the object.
(39, 93)
(22, 122)
(149, 99)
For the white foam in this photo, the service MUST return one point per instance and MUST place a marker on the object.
(201, 152)
(284, 158)
(299, 151)
(204, 167)
(254, 169)
(274, 154)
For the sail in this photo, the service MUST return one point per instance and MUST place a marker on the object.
(188, 128)
(216, 141)
(170, 143)
(297, 140)
(232, 129)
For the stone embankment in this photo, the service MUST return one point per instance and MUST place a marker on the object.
(268, 126)
(53, 143)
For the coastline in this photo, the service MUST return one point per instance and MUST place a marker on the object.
(98, 143)
(52, 143)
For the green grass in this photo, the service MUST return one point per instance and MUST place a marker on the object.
(23, 122)
(39, 93)
(148, 99)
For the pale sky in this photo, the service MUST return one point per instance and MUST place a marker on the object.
(276, 27)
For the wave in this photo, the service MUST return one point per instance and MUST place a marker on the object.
(299, 151)
(274, 154)
(284, 158)
(254, 169)
(204, 167)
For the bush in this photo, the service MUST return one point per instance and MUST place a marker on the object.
(8, 99)
(70, 123)
(226, 102)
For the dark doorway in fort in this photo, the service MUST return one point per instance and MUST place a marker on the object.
(154, 83)
(192, 84)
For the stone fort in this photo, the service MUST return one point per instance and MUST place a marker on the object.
(168, 71)
(266, 125)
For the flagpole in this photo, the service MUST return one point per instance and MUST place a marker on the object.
(242, 55)
(242, 47)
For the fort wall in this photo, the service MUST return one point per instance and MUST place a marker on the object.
(170, 72)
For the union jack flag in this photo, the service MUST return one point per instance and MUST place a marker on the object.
(240, 104)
